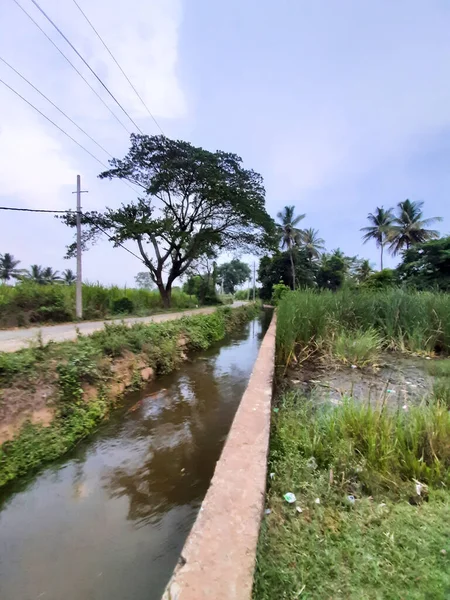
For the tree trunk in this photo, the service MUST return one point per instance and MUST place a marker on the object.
(293, 271)
(166, 295)
(382, 248)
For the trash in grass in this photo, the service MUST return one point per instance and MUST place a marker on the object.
(311, 463)
(391, 391)
(427, 357)
(351, 499)
(267, 511)
(299, 509)
(272, 475)
(381, 505)
(275, 410)
(405, 407)
(317, 500)
(419, 488)
(290, 497)
(354, 367)
(443, 551)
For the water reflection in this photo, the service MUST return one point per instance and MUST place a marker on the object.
(109, 521)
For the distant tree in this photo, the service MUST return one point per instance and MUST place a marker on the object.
(277, 268)
(50, 276)
(206, 203)
(380, 229)
(410, 227)
(333, 270)
(312, 243)
(68, 277)
(8, 267)
(381, 280)
(232, 274)
(427, 265)
(144, 281)
(202, 281)
(289, 234)
(363, 270)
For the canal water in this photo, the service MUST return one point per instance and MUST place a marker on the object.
(109, 521)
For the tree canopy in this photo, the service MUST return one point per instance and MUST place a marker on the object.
(427, 265)
(232, 274)
(194, 203)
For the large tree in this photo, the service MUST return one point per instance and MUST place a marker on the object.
(8, 267)
(278, 268)
(194, 203)
(232, 274)
(427, 265)
(410, 227)
(379, 229)
(312, 243)
(289, 233)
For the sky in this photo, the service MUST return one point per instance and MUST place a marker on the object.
(341, 106)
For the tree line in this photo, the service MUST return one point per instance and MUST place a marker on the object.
(35, 274)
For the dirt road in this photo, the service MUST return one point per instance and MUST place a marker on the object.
(15, 339)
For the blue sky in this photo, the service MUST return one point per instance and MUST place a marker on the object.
(341, 106)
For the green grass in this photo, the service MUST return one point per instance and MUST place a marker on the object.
(359, 348)
(389, 543)
(405, 320)
(27, 303)
(90, 360)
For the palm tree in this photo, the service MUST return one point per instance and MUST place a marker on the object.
(50, 276)
(35, 274)
(410, 227)
(380, 229)
(312, 243)
(68, 277)
(289, 233)
(363, 270)
(8, 268)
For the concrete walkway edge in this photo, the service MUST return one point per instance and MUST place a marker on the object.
(218, 558)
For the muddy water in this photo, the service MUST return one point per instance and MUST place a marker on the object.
(109, 521)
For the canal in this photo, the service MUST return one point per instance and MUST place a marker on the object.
(109, 521)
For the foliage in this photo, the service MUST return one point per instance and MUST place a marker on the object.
(383, 542)
(123, 305)
(427, 265)
(144, 281)
(332, 271)
(232, 274)
(40, 275)
(289, 234)
(279, 290)
(363, 270)
(360, 348)
(89, 360)
(27, 303)
(312, 243)
(278, 268)
(8, 267)
(410, 227)
(381, 279)
(207, 202)
(68, 277)
(379, 229)
(406, 320)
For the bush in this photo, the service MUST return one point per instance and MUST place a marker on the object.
(359, 348)
(122, 305)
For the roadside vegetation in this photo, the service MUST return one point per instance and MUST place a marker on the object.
(85, 378)
(369, 478)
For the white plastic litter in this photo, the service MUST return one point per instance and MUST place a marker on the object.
(351, 499)
(311, 463)
(298, 509)
(354, 367)
(272, 475)
(290, 497)
(267, 511)
(317, 500)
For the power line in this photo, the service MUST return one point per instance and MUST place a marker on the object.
(55, 106)
(73, 66)
(122, 71)
(41, 210)
(53, 123)
(86, 63)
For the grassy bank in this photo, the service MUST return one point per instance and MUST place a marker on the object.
(373, 489)
(29, 303)
(83, 379)
(395, 319)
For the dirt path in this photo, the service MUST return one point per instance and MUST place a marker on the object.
(15, 339)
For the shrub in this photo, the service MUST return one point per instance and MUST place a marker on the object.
(360, 348)
(122, 305)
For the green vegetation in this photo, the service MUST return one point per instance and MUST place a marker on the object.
(27, 303)
(372, 486)
(412, 321)
(232, 274)
(360, 348)
(207, 203)
(89, 362)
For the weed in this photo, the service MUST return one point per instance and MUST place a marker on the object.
(372, 535)
(360, 348)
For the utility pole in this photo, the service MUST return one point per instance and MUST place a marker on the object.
(254, 282)
(79, 297)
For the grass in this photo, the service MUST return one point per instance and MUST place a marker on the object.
(360, 348)
(27, 303)
(406, 321)
(371, 535)
(91, 360)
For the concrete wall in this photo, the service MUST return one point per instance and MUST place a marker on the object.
(218, 559)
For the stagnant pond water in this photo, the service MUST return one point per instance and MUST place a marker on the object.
(109, 521)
